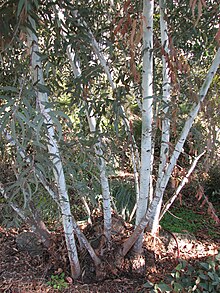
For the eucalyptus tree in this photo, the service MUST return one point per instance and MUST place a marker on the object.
(147, 113)
(165, 129)
(102, 57)
(75, 66)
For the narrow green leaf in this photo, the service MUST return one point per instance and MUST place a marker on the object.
(43, 88)
(22, 127)
(36, 3)
(22, 117)
(216, 283)
(10, 89)
(203, 276)
(218, 257)
(177, 287)
(42, 56)
(13, 130)
(57, 125)
(38, 144)
(211, 276)
(30, 193)
(164, 287)
(205, 265)
(5, 120)
(179, 267)
(20, 6)
(204, 286)
(177, 275)
(148, 285)
(47, 68)
(61, 114)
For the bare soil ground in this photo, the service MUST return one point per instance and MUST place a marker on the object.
(22, 271)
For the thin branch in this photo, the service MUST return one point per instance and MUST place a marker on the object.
(52, 145)
(181, 185)
(38, 173)
(16, 208)
(189, 122)
(133, 145)
(145, 220)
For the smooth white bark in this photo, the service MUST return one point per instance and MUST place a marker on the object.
(188, 124)
(137, 186)
(99, 155)
(147, 114)
(42, 98)
(133, 146)
(165, 136)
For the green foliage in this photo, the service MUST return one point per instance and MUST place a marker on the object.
(58, 282)
(20, 116)
(123, 194)
(183, 220)
(199, 277)
(212, 184)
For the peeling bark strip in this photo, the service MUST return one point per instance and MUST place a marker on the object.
(188, 124)
(37, 75)
(165, 136)
(147, 115)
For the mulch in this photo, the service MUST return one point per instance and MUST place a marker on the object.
(22, 272)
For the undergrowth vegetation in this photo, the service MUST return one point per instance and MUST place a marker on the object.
(199, 277)
(182, 219)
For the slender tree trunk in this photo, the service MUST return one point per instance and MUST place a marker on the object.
(106, 196)
(133, 146)
(147, 116)
(188, 124)
(127, 245)
(82, 239)
(42, 98)
(100, 160)
(137, 186)
(165, 136)
(98, 145)
(104, 180)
